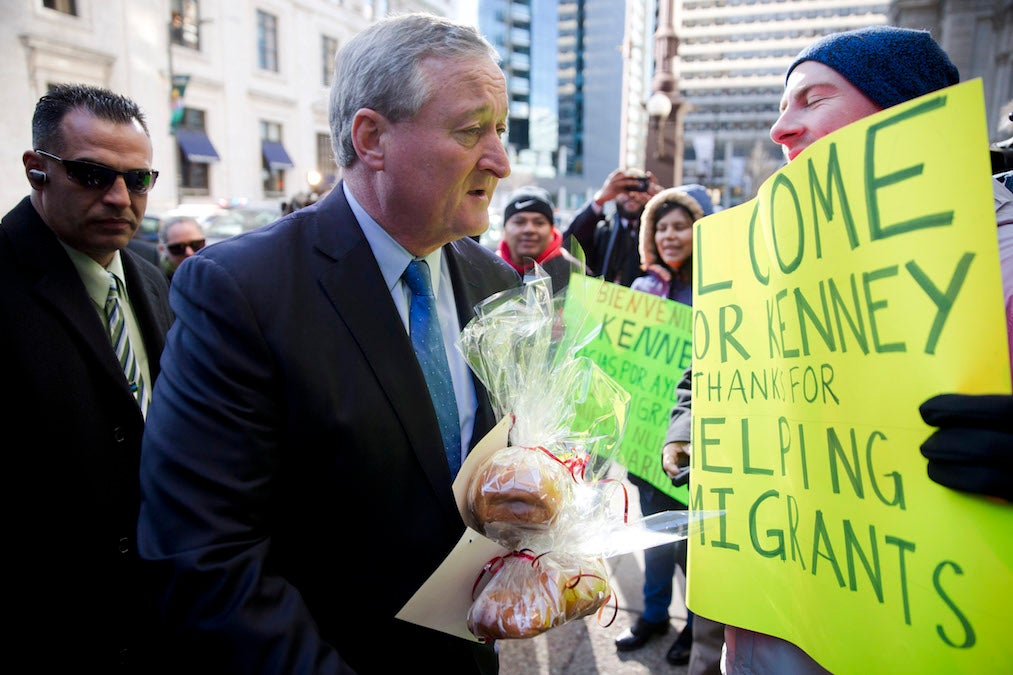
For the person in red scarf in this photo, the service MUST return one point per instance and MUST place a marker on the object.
(530, 236)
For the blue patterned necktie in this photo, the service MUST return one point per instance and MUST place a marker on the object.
(121, 344)
(424, 327)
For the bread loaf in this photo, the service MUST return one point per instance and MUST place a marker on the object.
(516, 487)
(525, 598)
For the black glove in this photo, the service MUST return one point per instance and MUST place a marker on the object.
(972, 450)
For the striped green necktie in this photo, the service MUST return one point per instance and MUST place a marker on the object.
(121, 343)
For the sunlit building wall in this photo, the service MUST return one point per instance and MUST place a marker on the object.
(731, 63)
(252, 122)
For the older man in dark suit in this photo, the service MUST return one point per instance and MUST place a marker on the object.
(80, 360)
(295, 474)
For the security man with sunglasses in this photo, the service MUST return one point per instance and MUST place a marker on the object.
(82, 326)
(178, 239)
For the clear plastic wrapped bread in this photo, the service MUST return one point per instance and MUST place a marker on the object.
(546, 492)
(516, 494)
(544, 510)
(525, 595)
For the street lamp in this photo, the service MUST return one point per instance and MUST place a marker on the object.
(659, 107)
(313, 179)
(666, 102)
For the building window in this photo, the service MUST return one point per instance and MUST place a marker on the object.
(65, 6)
(267, 41)
(193, 174)
(325, 161)
(272, 170)
(185, 23)
(328, 47)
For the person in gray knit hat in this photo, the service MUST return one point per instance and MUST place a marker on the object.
(837, 80)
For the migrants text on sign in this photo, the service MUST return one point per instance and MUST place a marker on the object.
(645, 344)
(861, 281)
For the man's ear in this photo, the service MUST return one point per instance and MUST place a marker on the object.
(368, 128)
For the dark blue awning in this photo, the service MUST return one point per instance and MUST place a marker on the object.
(196, 146)
(275, 155)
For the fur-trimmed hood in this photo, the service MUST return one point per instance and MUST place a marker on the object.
(693, 197)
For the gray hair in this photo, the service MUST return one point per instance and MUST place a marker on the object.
(168, 223)
(379, 69)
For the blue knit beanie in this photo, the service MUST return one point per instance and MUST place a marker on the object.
(889, 65)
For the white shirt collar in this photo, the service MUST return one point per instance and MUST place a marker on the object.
(392, 258)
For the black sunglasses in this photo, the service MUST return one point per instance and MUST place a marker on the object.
(180, 248)
(99, 176)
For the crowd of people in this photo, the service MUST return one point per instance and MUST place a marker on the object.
(239, 459)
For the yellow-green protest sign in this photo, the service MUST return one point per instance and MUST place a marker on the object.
(645, 344)
(862, 280)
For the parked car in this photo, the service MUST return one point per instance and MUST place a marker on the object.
(148, 229)
(226, 223)
(221, 221)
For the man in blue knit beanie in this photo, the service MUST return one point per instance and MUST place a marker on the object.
(839, 79)
(846, 76)
(889, 65)
(843, 77)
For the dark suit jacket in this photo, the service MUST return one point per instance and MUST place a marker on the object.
(611, 250)
(146, 250)
(71, 445)
(296, 492)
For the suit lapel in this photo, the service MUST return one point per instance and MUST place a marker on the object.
(360, 297)
(470, 288)
(58, 285)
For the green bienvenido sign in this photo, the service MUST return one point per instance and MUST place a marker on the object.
(645, 344)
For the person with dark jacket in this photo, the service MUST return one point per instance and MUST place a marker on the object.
(297, 471)
(608, 226)
(178, 239)
(82, 326)
(666, 254)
